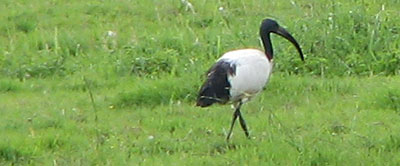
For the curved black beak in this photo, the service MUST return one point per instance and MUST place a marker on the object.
(282, 32)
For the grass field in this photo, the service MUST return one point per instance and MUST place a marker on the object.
(114, 83)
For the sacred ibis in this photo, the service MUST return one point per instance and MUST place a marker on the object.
(239, 75)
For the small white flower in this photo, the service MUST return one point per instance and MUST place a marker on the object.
(221, 8)
(330, 16)
(150, 137)
(111, 33)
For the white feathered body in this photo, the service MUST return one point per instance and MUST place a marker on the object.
(251, 75)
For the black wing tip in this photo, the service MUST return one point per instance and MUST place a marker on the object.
(202, 105)
(204, 102)
(216, 87)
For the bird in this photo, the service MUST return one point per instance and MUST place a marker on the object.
(239, 75)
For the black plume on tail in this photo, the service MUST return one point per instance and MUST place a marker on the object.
(216, 88)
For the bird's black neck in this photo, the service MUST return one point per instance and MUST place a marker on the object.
(267, 45)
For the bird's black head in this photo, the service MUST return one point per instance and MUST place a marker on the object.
(268, 26)
(271, 26)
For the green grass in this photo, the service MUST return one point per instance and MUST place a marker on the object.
(296, 121)
(340, 107)
(44, 39)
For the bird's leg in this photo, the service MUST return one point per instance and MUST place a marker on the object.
(243, 124)
(235, 115)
